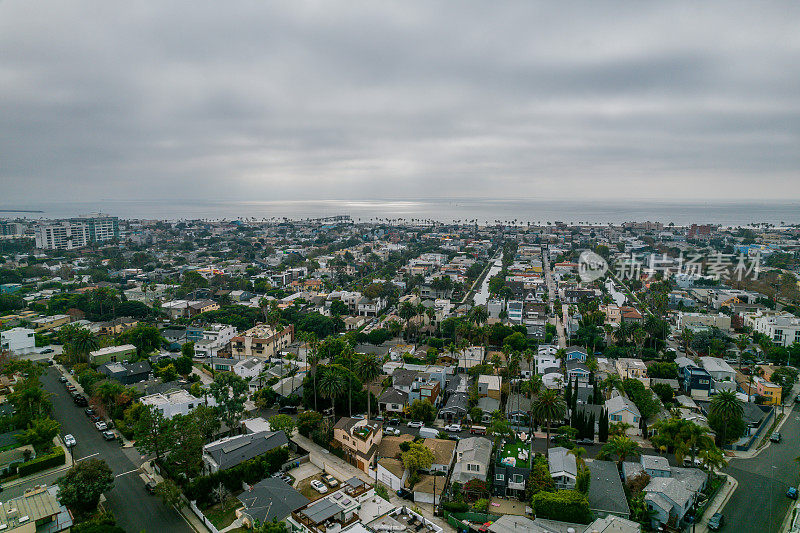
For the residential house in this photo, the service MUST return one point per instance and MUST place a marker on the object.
(429, 489)
(392, 400)
(444, 450)
(37, 510)
(371, 307)
(112, 354)
(621, 409)
(576, 353)
(563, 468)
(49, 323)
(269, 499)
(631, 368)
(696, 381)
(334, 512)
(518, 408)
(456, 407)
(473, 456)
(512, 468)
(261, 341)
(722, 374)
(577, 371)
(359, 439)
(177, 402)
(232, 451)
(126, 373)
(489, 386)
(18, 341)
(15, 456)
(248, 368)
(606, 491)
(768, 390)
(392, 473)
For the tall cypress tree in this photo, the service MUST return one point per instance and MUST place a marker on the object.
(590, 427)
(568, 394)
(603, 429)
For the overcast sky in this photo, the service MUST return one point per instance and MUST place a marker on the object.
(301, 100)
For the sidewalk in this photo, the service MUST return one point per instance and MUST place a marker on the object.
(184, 511)
(717, 504)
(753, 452)
(68, 462)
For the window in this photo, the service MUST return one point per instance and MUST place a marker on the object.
(473, 468)
(499, 477)
(517, 478)
(191, 406)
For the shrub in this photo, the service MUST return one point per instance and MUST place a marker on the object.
(455, 507)
(564, 505)
(44, 462)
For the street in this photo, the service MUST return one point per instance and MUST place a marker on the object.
(134, 508)
(760, 502)
(551, 297)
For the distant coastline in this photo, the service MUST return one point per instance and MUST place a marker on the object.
(535, 211)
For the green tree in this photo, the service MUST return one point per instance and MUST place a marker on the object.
(368, 367)
(422, 410)
(187, 350)
(418, 457)
(40, 434)
(170, 493)
(208, 422)
(183, 365)
(82, 342)
(146, 338)
(230, 392)
(283, 423)
(547, 407)
(307, 422)
(152, 431)
(619, 447)
(564, 505)
(81, 487)
(725, 413)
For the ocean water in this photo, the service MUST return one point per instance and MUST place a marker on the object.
(441, 209)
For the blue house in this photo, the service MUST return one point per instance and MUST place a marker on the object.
(576, 353)
(697, 381)
(577, 371)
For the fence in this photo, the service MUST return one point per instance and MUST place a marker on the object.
(461, 521)
(199, 514)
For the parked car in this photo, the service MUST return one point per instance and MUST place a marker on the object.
(687, 461)
(391, 431)
(80, 400)
(716, 522)
(792, 493)
(149, 484)
(319, 486)
(797, 398)
(109, 435)
(69, 386)
(454, 428)
(47, 350)
(330, 480)
(288, 410)
(89, 411)
(775, 437)
(69, 441)
(62, 379)
(405, 494)
(94, 417)
(478, 430)
(415, 424)
(101, 426)
(585, 442)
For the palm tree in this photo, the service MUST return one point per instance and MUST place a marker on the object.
(83, 342)
(548, 406)
(620, 447)
(332, 384)
(727, 407)
(368, 367)
(312, 358)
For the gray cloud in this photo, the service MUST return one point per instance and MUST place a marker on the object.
(263, 100)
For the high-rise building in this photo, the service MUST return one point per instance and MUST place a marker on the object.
(76, 232)
(11, 229)
(63, 235)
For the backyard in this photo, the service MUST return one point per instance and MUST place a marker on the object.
(223, 514)
(513, 449)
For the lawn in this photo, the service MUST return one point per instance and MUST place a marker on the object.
(223, 515)
(512, 450)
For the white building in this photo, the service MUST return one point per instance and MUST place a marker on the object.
(18, 340)
(63, 235)
(688, 320)
(783, 330)
(177, 402)
(248, 368)
(214, 339)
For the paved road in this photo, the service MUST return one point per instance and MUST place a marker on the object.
(551, 296)
(134, 509)
(760, 502)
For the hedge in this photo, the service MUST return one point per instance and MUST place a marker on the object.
(250, 472)
(44, 462)
(564, 505)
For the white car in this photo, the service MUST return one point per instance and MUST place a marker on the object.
(69, 441)
(101, 426)
(391, 431)
(454, 428)
(415, 424)
(319, 486)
